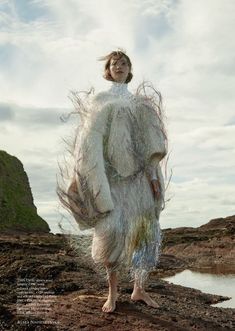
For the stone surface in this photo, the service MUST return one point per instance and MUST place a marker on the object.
(210, 246)
(17, 210)
(81, 291)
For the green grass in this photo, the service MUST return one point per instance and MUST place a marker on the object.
(17, 211)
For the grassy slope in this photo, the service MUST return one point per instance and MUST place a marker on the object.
(17, 211)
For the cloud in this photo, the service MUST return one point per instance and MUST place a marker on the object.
(184, 47)
(204, 201)
(6, 112)
(231, 121)
(31, 117)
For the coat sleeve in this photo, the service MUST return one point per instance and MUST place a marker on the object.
(154, 137)
(155, 148)
(90, 160)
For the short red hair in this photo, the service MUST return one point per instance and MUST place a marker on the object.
(117, 55)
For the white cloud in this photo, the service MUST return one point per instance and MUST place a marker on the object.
(186, 48)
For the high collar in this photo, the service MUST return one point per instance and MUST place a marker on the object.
(119, 89)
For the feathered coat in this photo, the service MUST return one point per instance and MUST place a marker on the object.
(119, 146)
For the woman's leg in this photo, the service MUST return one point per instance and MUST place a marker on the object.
(139, 294)
(110, 303)
(144, 260)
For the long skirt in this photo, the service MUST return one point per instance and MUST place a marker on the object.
(130, 236)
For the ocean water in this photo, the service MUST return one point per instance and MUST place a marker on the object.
(213, 283)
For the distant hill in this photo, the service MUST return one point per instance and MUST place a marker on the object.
(17, 210)
(210, 246)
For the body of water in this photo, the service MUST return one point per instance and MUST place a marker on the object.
(219, 284)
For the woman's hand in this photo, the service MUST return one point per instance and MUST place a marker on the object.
(156, 188)
(73, 188)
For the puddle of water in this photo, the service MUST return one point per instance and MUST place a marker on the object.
(219, 284)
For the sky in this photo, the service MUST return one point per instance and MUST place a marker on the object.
(186, 48)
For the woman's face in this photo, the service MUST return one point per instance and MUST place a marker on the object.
(119, 69)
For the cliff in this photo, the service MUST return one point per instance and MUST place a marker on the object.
(17, 210)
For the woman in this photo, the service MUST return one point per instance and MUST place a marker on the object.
(118, 187)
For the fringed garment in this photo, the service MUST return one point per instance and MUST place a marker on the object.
(120, 142)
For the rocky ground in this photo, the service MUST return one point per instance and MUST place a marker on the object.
(79, 291)
(208, 247)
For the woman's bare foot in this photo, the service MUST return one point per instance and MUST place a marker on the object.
(140, 295)
(110, 304)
